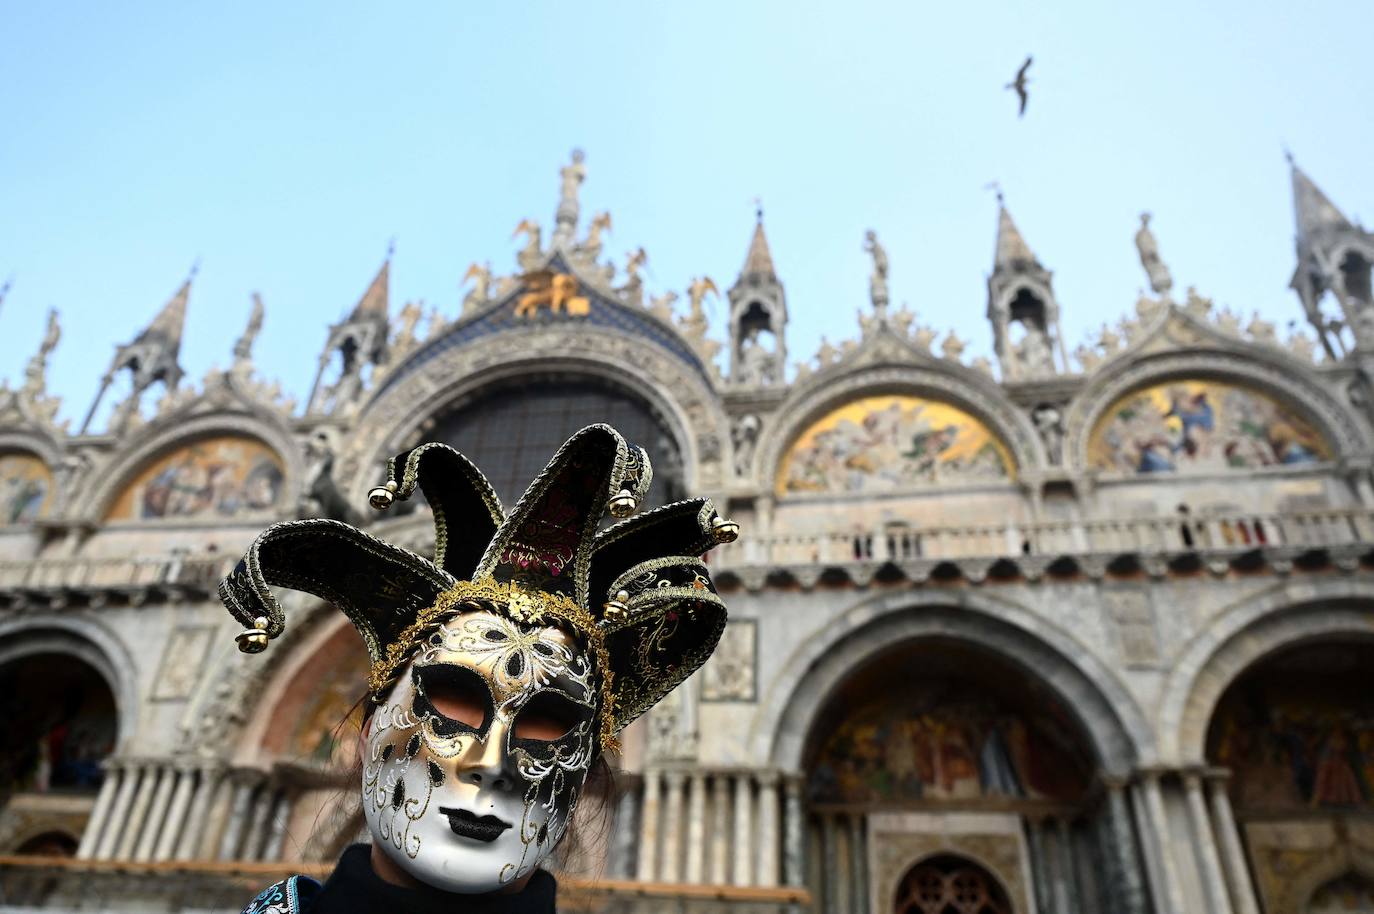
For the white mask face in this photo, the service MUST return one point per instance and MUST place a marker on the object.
(474, 762)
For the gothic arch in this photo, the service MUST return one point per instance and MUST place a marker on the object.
(962, 387)
(1114, 724)
(90, 641)
(1252, 629)
(1003, 880)
(1275, 374)
(675, 390)
(123, 466)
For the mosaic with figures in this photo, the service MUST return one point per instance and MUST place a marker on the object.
(1201, 426)
(215, 477)
(937, 742)
(26, 489)
(879, 444)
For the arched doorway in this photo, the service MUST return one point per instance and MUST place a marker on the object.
(950, 884)
(1347, 894)
(62, 723)
(511, 429)
(1296, 732)
(937, 746)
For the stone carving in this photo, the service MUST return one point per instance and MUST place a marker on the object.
(183, 662)
(694, 325)
(1262, 331)
(1049, 422)
(953, 347)
(877, 280)
(1034, 357)
(30, 404)
(671, 731)
(435, 325)
(480, 276)
(758, 364)
(320, 492)
(532, 254)
(744, 436)
(591, 246)
(827, 354)
(1148, 247)
(661, 306)
(1134, 621)
(632, 290)
(729, 674)
(565, 219)
(243, 348)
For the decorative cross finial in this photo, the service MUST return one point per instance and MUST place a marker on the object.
(391, 247)
(195, 268)
(996, 188)
(758, 208)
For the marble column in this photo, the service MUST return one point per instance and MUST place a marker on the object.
(1237, 872)
(276, 826)
(1069, 860)
(648, 827)
(1130, 890)
(138, 812)
(176, 813)
(744, 829)
(830, 877)
(766, 870)
(671, 867)
(794, 831)
(258, 823)
(207, 780)
(1170, 895)
(720, 828)
(239, 811)
(696, 828)
(130, 775)
(1040, 865)
(1060, 868)
(95, 825)
(623, 836)
(858, 865)
(221, 805)
(156, 819)
(1213, 880)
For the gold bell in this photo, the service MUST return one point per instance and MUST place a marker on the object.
(617, 608)
(725, 531)
(253, 640)
(382, 497)
(623, 504)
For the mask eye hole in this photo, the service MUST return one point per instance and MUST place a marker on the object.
(455, 694)
(548, 716)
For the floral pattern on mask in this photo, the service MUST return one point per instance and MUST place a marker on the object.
(418, 762)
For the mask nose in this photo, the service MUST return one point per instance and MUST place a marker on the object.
(483, 765)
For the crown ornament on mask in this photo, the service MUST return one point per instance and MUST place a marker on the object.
(638, 592)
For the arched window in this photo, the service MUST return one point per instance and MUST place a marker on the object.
(512, 430)
(61, 721)
(950, 885)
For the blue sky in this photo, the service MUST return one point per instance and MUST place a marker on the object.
(284, 145)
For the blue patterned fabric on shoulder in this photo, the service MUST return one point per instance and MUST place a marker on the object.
(290, 896)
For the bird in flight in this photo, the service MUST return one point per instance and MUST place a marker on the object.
(1019, 84)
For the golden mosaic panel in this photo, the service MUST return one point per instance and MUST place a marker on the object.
(224, 476)
(888, 443)
(26, 489)
(1201, 426)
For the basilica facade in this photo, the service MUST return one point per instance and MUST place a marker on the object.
(1063, 631)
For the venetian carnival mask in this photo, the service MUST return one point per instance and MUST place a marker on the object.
(474, 761)
(505, 665)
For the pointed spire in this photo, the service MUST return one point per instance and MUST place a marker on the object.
(166, 327)
(375, 301)
(1012, 251)
(1313, 209)
(759, 260)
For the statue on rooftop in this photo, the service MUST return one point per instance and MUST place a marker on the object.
(877, 281)
(1160, 280)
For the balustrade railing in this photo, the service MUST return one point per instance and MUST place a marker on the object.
(199, 572)
(1238, 532)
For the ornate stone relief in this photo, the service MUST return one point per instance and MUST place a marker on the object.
(730, 673)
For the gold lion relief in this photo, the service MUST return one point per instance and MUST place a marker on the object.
(557, 290)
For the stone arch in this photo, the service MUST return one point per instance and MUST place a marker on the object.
(1117, 729)
(961, 387)
(90, 641)
(1279, 376)
(677, 392)
(1286, 615)
(123, 467)
(1302, 886)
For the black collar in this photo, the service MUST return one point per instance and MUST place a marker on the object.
(354, 888)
